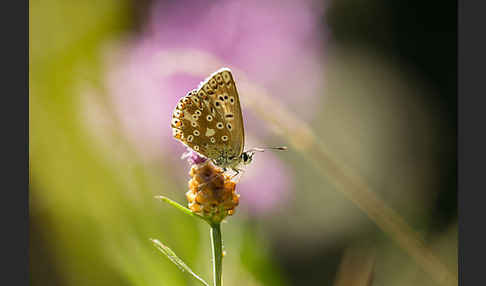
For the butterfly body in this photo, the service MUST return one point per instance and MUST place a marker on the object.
(209, 121)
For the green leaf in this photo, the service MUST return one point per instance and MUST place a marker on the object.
(176, 260)
(180, 207)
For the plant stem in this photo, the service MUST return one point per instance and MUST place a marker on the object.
(217, 246)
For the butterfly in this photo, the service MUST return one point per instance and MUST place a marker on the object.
(209, 121)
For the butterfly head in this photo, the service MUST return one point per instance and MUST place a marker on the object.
(247, 157)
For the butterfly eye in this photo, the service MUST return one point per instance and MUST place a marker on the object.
(196, 147)
(190, 138)
(212, 140)
(232, 100)
(228, 125)
(209, 118)
(196, 132)
(219, 125)
(198, 112)
(224, 138)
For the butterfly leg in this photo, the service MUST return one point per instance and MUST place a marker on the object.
(237, 172)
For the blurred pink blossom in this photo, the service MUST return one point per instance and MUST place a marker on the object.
(193, 158)
(265, 185)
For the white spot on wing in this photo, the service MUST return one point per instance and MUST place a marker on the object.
(209, 132)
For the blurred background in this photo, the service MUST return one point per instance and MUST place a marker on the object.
(370, 85)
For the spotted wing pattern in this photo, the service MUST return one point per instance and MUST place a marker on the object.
(209, 119)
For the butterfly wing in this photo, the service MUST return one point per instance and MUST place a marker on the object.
(209, 119)
(220, 88)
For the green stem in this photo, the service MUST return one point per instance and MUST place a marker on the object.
(217, 246)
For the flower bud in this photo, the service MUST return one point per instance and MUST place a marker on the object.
(211, 192)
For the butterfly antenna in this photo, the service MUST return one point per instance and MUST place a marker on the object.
(262, 149)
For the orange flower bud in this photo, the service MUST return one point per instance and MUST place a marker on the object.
(211, 192)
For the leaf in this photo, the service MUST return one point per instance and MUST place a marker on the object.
(176, 260)
(180, 207)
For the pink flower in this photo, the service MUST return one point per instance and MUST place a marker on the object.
(193, 158)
